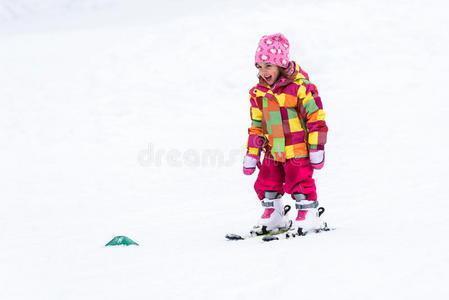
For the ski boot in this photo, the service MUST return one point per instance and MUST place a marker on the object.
(274, 217)
(308, 218)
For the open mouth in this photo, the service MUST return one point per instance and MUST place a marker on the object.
(268, 78)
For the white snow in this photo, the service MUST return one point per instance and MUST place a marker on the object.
(130, 118)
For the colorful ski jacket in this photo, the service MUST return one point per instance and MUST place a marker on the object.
(287, 118)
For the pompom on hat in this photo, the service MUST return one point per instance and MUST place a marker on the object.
(273, 49)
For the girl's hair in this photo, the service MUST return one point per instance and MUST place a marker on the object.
(283, 73)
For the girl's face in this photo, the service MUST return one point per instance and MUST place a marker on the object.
(268, 72)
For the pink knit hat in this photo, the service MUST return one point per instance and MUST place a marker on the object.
(273, 49)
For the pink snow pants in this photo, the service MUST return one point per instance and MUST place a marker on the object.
(292, 176)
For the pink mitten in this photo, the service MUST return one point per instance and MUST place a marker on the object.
(290, 69)
(316, 158)
(249, 164)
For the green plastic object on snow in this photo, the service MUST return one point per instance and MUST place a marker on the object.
(121, 241)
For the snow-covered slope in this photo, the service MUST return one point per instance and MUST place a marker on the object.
(23, 10)
(112, 113)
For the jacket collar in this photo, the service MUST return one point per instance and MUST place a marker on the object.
(277, 85)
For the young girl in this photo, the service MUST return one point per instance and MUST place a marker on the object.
(288, 124)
